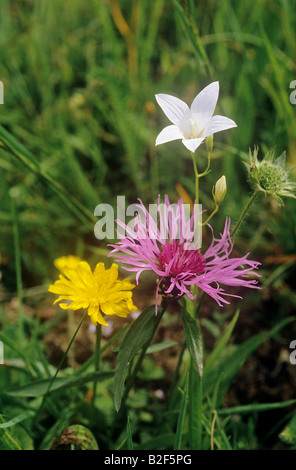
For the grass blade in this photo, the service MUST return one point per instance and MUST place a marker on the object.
(17, 419)
(193, 340)
(12, 146)
(40, 387)
(221, 343)
(195, 409)
(138, 336)
(129, 439)
(181, 418)
(7, 439)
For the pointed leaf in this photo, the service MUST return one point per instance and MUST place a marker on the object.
(215, 353)
(7, 438)
(195, 401)
(138, 336)
(231, 362)
(17, 419)
(181, 418)
(38, 388)
(193, 340)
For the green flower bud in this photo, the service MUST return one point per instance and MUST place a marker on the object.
(220, 190)
(271, 176)
(209, 143)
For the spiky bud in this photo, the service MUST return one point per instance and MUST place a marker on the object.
(271, 176)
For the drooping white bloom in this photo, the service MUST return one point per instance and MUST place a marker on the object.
(192, 125)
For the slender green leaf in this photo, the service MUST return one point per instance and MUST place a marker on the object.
(288, 434)
(192, 31)
(17, 419)
(233, 361)
(129, 439)
(221, 343)
(181, 418)
(254, 408)
(18, 149)
(193, 340)
(40, 387)
(7, 438)
(56, 430)
(15, 347)
(138, 336)
(12, 146)
(160, 346)
(195, 400)
(165, 441)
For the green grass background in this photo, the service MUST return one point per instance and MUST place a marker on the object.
(79, 121)
(79, 84)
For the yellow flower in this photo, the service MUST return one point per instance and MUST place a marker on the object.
(69, 261)
(100, 291)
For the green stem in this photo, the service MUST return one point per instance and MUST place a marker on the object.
(199, 175)
(135, 371)
(97, 357)
(61, 363)
(175, 378)
(196, 179)
(244, 212)
(70, 323)
(132, 377)
(195, 409)
(210, 216)
(208, 166)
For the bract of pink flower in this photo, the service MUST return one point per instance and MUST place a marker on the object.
(176, 266)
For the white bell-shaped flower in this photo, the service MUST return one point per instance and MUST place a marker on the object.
(192, 125)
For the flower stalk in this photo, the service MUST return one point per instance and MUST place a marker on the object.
(97, 357)
(244, 213)
(219, 192)
(197, 176)
(61, 363)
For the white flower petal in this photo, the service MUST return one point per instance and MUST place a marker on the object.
(167, 134)
(203, 105)
(173, 107)
(217, 124)
(192, 144)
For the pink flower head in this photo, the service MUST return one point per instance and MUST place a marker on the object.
(177, 264)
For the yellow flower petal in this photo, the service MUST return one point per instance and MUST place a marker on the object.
(66, 262)
(100, 291)
(96, 316)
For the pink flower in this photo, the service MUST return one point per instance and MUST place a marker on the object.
(176, 266)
